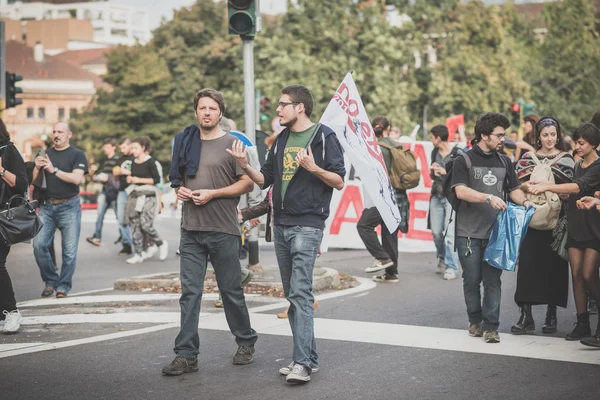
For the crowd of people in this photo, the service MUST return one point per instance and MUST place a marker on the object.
(211, 169)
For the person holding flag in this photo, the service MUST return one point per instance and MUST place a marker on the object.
(304, 165)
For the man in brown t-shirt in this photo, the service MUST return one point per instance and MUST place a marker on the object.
(209, 181)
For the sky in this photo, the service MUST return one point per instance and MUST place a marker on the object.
(164, 8)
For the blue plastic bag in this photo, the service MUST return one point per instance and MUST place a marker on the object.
(505, 241)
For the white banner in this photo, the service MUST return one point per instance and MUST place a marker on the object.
(347, 206)
(347, 116)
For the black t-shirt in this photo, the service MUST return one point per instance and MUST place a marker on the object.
(147, 169)
(584, 225)
(124, 163)
(66, 160)
(112, 186)
(487, 174)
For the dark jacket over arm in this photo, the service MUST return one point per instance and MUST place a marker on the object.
(13, 162)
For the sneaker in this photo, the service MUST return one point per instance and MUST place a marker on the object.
(219, 302)
(491, 336)
(2, 323)
(378, 265)
(298, 374)
(95, 241)
(475, 330)
(163, 251)
(593, 341)
(288, 370)
(150, 252)
(450, 274)
(180, 365)
(136, 259)
(246, 276)
(126, 250)
(387, 278)
(441, 267)
(13, 320)
(243, 355)
(48, 291)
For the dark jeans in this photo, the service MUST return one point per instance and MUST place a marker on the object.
(369, 220)
(66, 217)
(475, 270)
(296, 248)
(223, 248)
(7, 294)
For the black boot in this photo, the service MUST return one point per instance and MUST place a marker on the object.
(593, 341)
(525, 323)
(551, 321)
(582, 328)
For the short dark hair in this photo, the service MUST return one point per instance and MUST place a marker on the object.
(143, 141)
(596, 119)
(560, 135)
(4, 135)
(111, 141)
(213, 94)
(441, 132)
(380, 124)
(125, 140)
(588, 132)
(486, 123)
(301, 95)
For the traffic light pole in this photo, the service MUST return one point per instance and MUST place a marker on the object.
(249, 100)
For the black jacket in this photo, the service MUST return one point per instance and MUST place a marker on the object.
(307, 198)
(186, 155)
(13, 162)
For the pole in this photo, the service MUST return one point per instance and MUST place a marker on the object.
(249, 100)
(425, 132)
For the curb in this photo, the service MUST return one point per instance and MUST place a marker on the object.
(323, 279)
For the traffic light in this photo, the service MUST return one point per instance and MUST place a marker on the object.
(515, 113)
(12, 90)
(242, 17)
(265, 105)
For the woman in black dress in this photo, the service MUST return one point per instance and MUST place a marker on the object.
(583, 240)
(543, 276)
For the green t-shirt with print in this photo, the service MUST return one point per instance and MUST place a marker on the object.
(296, 142)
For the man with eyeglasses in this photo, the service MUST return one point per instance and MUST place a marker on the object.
(304, 165)
(481, 178)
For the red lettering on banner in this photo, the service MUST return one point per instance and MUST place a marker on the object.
(413, 233)
(352, 196)
(422, 157)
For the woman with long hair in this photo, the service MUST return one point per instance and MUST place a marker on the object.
(142, 201)
(583, 242)
(543, 276)
(528, 142)
(13, 180)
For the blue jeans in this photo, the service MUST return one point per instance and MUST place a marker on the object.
(439, 215)
(65, 217)
(475, 270)
(223, 249)
(103, 206)
(123, 229)
(296, 249)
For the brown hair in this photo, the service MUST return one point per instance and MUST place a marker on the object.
(145, 142)
(213, 94)
(533, 120)
(269, 140)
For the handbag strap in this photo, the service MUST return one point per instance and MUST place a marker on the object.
(3, 181)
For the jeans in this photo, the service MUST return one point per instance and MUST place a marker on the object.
(103, 206)
(7, 294)
(475, 270)
(123, 229)
(440, 210)
(369, 220)
(66, 217)
(223, 248)
(296, 249)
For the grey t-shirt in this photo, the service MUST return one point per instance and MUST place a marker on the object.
(488, 174)
(217, 169)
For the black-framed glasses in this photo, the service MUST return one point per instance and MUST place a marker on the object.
(284, 104)
(499, 135)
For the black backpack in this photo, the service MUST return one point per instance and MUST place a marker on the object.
(447, 185)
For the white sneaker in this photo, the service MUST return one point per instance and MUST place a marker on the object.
(378, 265)
(299, 374)
(13, 320)
(136, 259)
(2, 326)
(450, 274)
(163, 251)
(288, 370)
(150, 252)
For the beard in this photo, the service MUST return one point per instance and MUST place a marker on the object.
(288, 124)
(208, 126)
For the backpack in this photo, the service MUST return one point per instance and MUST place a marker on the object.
(547, 204)
(404, 174)
(447, 184)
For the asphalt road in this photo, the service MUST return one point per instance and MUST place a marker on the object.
(390, 341)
